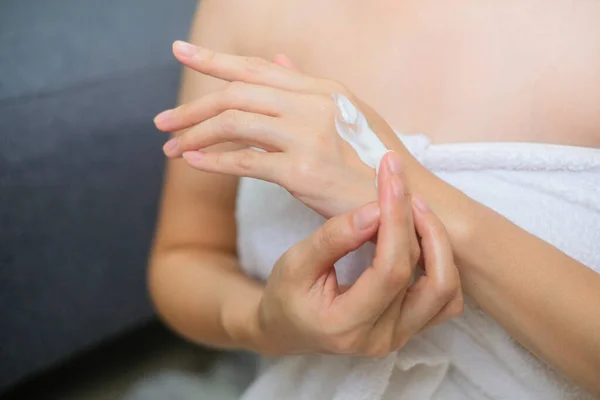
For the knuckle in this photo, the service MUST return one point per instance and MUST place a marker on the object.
(437, 230)
(444, 291)
(208, 56)
(415, 253)
(378, 349)
(180, 111)
(184, 141)
(232, 92)
(256, 65)
(245, 160)
(457, 307)
(288, 263)
(324, 105)
(398, 276)
(400, 341)
(328, 237)
(338, 87)
(305, 169)
(347, 343)
(228, 122)
(218, 160)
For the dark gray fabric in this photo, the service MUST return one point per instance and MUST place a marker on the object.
(80, 180)
(48, 45)
(80, 169)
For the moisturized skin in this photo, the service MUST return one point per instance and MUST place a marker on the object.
(353, 128)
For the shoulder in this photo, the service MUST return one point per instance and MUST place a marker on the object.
(239, 25)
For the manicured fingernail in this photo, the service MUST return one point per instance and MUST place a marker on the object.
(366, 216)
(397, 187)
(184, 49)
(394, 162)
(192, 156)
(163, 117)
(420, 203)
(171, 147)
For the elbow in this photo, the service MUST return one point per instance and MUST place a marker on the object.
(160, 289)
(156, 290)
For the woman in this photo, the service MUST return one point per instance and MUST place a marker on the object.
(527, 74)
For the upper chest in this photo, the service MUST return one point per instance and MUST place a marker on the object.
(456, 70)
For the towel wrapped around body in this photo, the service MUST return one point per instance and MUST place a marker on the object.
(551, 191)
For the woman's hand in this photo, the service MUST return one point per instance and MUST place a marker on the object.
(289, 115)
(303, 310)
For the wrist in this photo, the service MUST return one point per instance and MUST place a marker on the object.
(458, 212)
(239, 318)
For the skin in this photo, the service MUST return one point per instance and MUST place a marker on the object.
(458, 74)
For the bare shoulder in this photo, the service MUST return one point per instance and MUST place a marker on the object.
(247, 23)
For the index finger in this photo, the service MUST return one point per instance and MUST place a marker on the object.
(239, 68)
(391, 272)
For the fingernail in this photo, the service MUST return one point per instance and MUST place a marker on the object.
(397, 187)
(192, 156)
(184, 49)
(366, 216)
(171, 147)
(163, 117)
(420, 203)
(394, 162)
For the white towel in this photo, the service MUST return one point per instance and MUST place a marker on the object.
(549, 190)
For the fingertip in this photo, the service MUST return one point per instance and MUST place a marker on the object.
(183, 49)
(284, 61)
(162, 119)
(420, 204)
(393, 162)
(366, 216)
(422, 216)
(171, 147)
(193, 157)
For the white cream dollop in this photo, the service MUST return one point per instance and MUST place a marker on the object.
(353, 128)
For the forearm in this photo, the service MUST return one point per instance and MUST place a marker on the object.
(204, 296)
(543, 298)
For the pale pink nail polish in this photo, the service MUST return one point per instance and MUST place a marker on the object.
(192, 157)
(171, 146)
(184, 49)
(366, 216)
(394, 162)
(163, 117)
(420, 203)
(397, 187)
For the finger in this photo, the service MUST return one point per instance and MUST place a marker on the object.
(284, 61)
(395, 166)
(379, 285)
(237, 96)
(238, 68)
(243, 163)
(336, 238)
(268, 133)
(433, 290)
(392, 253)
(452, 309)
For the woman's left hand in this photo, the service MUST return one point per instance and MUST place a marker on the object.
(289, 115)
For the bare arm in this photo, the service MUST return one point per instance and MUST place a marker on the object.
(194, 278)
(546, 300)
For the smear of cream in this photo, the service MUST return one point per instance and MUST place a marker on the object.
(353, 128)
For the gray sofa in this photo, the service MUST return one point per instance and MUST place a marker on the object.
(80, 169)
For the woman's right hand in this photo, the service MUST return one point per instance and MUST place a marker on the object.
(303, 310)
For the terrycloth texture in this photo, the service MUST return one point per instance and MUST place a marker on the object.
(551, 191)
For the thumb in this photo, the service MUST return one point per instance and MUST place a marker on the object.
(284, 61)
(337, 237)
